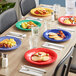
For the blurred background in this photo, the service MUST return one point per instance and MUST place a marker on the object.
(6, 4)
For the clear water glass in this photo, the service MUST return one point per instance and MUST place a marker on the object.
(70, 7)
(49, 21)
(33, 42)
(35, 31)
(56, 8)
(45, 25)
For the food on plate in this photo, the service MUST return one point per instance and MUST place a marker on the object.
(67, 21)
(27, 25)
(57, 36)
(71, 20)
(53, 34)
(7, 43)
(40, 56)
(41, 11)
(61, 34)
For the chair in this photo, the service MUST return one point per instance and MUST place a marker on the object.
(26, 6)
(62, 68)
(73, 64)
(7, 19)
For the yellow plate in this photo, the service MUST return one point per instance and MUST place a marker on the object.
(33, 11)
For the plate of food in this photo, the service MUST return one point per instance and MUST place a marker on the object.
(27, 24)
(9, 43)
(41, 11)
(40, 56)
(68, 20)
(57, 35)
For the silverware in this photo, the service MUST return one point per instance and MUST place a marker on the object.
(71, 30)
(35, 68)
(51, 7)
(54, 44)
(34, 18)
(52, 47)
(17, 34)
(22, 36)
(31, 70)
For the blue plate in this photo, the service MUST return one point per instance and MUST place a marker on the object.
(46, 36)
(18, 43)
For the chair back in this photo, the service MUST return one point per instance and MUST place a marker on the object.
(62, 68)
(26, 6)
(73, 63)
(7, 19)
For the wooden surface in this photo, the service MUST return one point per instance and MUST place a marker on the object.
(16, 57)
(71, 74)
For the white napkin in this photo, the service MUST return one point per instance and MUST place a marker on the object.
(38, 69)
(46, 6)
(67, 29)
(34, 18)
(15, 34)
(32, 70)
(53, 46)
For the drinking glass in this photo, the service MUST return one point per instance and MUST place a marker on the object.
(49, 24)
(33, 41)
(56, 9)
(35, 31)
(45, 24)
(70, 7)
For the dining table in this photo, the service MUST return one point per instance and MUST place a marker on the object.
(16, 57)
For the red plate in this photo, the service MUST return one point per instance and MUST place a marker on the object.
(61, 20)
(52, 55)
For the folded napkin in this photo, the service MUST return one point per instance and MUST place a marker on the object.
(34, 18)
(32, 70)
(67, 29)
(46, 6)
(17, 35)
(53, 46)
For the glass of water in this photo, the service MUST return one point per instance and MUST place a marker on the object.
(70, 7)
(45, 25)
(35, 31)
(56, 9)
(33, 41)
